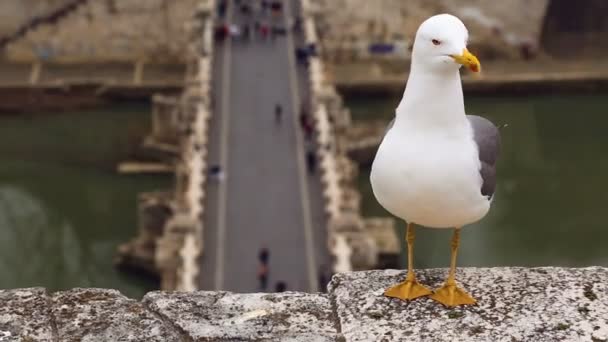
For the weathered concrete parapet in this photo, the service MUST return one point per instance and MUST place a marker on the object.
(106, 315)
(514, 304)
(224, 316)
(78, 315)
(25, 313)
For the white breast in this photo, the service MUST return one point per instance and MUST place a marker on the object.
(431, 179)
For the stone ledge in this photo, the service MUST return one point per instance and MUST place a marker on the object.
(25, 313)
(515, 304)
(224, 316)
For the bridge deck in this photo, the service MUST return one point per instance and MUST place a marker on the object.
(267, 199)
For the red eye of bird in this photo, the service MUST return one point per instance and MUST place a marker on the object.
(436, 42)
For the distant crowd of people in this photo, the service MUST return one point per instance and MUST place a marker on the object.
(259, 19)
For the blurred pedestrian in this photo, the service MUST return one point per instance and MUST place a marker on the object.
(263, 276)
(216, 172)
(280, 286)
(263, 255)
(311, 160)
(245, 9)
(276, 7)
(277, 30)
(303, 117)
(221, 32)
(246, 32)
(324, 277)
(265, 6)
(234, 30)
(278, 113)
(221, 8)
(264, 30)
(306, 123)
(308, 131)
(297, 25)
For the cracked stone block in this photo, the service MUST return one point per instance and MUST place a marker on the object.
(24, 315)
(106, 315)
(224, 316)
(514, 304)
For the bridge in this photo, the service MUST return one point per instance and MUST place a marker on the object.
(267, 197)
(244, 180)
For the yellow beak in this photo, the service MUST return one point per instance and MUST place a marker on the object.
(468, 59)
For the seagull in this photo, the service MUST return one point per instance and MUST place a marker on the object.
(436, 166)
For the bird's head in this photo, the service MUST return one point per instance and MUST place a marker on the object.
(441, 44)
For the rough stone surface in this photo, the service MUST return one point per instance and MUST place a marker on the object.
(514, 304)
(24, 314)
(223, 316)
(106, 315)
(153, 29)
(498, 28)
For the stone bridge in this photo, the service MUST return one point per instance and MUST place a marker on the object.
(207, 233)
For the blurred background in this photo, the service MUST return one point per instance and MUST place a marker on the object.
(112, 110)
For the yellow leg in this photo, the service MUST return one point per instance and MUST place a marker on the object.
(408, 289)
(450, 294)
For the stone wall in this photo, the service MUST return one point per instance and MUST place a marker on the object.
(110, 30)
(15, 13)
(498, 29)
(514, 304)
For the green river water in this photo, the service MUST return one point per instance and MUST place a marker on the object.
(551, 205)
(63, 208)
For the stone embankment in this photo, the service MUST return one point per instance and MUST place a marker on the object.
(355, 243)
(359, 30)
(100, 31)
(525, 47)
(514, 304)
(48, 13)
(170, 234)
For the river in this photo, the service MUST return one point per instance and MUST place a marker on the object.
(63, 208)
(550, 207)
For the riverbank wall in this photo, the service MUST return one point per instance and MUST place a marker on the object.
(496, 79)
(63, 54)
(47, 87)
(72, 31)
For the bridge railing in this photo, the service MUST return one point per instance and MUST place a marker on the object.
(350, 245)
(182, 242)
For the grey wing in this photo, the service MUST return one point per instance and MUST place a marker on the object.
(487, 138)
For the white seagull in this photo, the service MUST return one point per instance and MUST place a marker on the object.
(436, 166)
